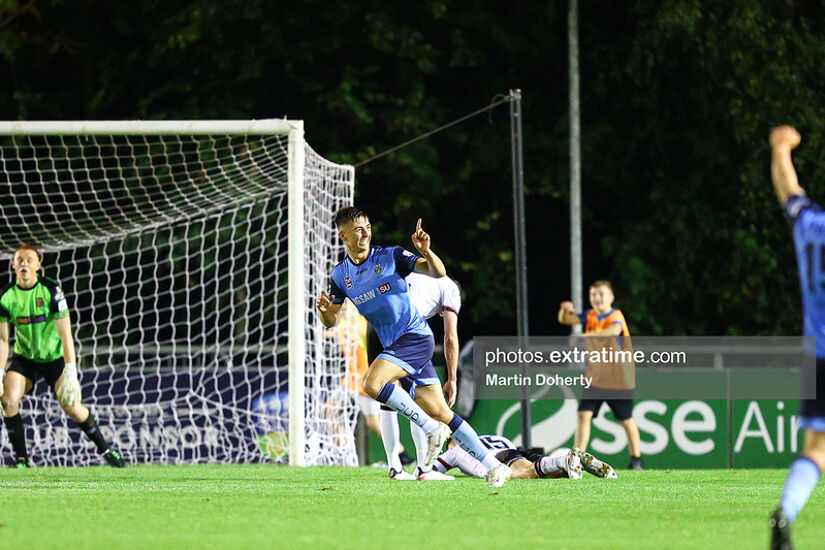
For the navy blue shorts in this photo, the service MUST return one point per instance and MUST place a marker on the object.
(427, 377)
(413, 353)
(812, 411)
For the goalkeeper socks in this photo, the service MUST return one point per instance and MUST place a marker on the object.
(17, 435)
(467, 439)
(420, 440)
(93, 432)
(399, 400)
(391, 438)
(803, 475)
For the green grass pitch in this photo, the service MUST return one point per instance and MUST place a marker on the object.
(262, 506)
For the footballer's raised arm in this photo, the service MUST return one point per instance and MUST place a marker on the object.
(784, 139)
(429, 262)
(431, 265)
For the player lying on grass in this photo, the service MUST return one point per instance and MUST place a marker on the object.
(807, 222)
(523, 464)
(431, 296)
(373, 278)
(43, 347)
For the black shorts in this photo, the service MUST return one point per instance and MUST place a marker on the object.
(509, 456)
(33, 370)
(621, 404)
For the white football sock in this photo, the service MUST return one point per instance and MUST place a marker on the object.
(391, 438)
(420, 440)
(552, 464)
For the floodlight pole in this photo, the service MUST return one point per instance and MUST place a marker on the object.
(576, 288)
(521, 253)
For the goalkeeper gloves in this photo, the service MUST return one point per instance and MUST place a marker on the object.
(69, 391)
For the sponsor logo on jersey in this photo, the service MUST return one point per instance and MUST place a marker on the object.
(39, 302)
(348, 282)
(384, 288)
(31, 320)
(365, 297)
(378, 269)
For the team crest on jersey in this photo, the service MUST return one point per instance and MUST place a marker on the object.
(348, 282)
(378, 269)
(39, 302)
(384, 288)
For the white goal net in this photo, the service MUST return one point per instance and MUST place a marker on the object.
(191, 253)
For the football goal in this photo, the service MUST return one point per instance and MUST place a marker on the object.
(191, 253)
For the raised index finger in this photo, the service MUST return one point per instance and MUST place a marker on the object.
(418, 225)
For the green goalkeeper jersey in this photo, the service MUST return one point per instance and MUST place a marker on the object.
(33, 312)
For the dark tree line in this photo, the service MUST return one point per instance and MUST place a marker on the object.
(678, 97)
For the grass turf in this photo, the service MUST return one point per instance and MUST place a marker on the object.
(263, 506)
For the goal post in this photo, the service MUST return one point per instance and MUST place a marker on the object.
(191, 253)
(297, 301)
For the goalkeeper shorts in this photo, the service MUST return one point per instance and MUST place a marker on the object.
(50, 371)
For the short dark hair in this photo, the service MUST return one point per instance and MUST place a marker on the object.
(602, 282)
(349, 214)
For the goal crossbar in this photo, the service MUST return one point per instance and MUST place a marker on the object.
(141, 127)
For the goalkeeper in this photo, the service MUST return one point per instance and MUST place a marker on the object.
(43, 347)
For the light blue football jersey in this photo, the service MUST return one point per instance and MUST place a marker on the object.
(379, 291)
(808, 222)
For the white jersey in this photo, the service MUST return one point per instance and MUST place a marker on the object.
(431, 295)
